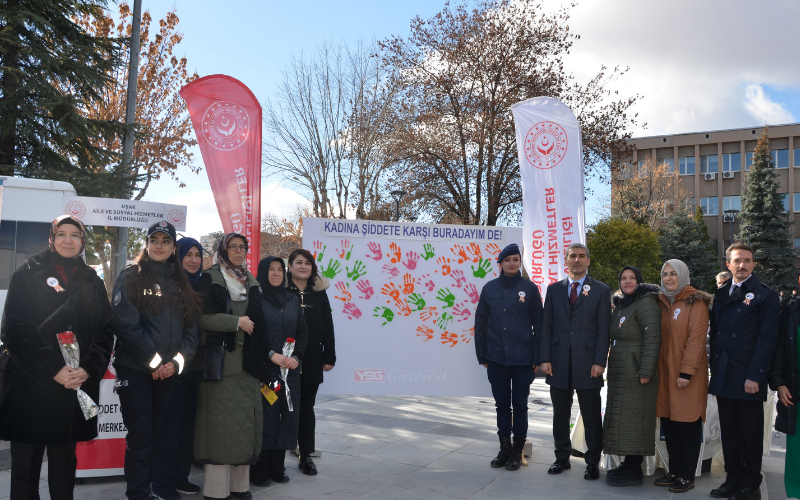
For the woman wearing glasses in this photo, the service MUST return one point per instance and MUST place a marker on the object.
(683, 372)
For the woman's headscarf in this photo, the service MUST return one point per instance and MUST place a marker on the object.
(235, 276)
(628, 299)
(66, 219)
(184, 245)
(683, 278)
(277, 295)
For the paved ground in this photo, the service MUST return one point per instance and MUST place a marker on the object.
(391, 447)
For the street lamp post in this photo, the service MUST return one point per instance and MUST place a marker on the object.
(748, 229)
(730, 215)
(397, 193)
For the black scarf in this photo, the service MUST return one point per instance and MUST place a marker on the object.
(276, 295)
(509, 281)
(628, 299)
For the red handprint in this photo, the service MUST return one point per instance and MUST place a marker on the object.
(449, 338)
(467, 335)
(475, 250)
(343, 289)
(411, 260)
(427, 284)
(346, 249)
(375, 248)
(460, 253)
(493, 249)
(351, 311)
(391, 291)
(460, 310)
(474, 297)
(365, 288)
(425, 332)
(408, 284)
(427, 313)
(391, 270)
(395, 253)
(402, 307)
(445, 263)
(459, 277)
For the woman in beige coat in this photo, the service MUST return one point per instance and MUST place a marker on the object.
(683, 373)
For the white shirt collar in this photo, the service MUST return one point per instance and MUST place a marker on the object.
(734, 284)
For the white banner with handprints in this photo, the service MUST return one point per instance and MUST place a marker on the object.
(404, 298)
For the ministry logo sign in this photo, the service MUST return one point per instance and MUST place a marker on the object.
(546, 145)
(226, 125)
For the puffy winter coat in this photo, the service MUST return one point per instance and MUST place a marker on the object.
(684, 328)
(784, 367)
(36, 409)
(630, 419)
(321, 348)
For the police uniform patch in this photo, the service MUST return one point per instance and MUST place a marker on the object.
(117, 298)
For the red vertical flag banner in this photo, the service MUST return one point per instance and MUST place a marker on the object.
(227, 121)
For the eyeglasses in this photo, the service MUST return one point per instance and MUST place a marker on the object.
(243, 248)
(673, 274)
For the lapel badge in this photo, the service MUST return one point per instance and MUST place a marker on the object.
(621, 320)
(158, 289)
(677, 312)
(522, 296)
(748, 298)
(54, 283)
(586, 289)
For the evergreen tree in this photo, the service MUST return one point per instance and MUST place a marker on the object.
(50, 70)
(615, 243)
(762, 207)
(686, 238)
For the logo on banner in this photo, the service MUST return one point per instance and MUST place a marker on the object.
(370, 376)
(546, 145)
(75, 209)
(225, 125)
(176, 217)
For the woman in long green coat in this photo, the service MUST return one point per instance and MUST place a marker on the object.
(229, 420)
(630, 418)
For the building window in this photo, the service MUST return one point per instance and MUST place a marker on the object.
(785, 202)
(642, 169)
(797, 242)
(686, 165)
(797, 157)
(670, 162)
(748, 160)
(625, 172)
(731, 203)
(780, 158)
(710, 205)
(732, 162)
(709, 164)
(797, 202)
(690, 205)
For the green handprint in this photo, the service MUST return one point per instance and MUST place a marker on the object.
(483, 267)
(444, 320)
(383, 312)
(349, 252)
(416, 300)
(332, 270)
(359, 270)
(446, 296)
(427, 251)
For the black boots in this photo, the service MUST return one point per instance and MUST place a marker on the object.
(515, 461)
(505, 452)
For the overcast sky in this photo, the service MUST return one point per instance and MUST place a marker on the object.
(698, 65)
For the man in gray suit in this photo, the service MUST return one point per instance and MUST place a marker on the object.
(574, 351)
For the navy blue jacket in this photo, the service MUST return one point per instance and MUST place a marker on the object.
(507, 324)
(743, 339)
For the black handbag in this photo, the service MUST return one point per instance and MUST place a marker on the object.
(209, 361)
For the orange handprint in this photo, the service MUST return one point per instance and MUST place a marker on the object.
(467, 335)
(475, 250)
(425, 332)
(408, 284)
(427, 313)
(445, 263)
(344, 289)
(395, 253)
(402, 307)
(493, 249)
(390, 290)
(460, 253)
(449, 338)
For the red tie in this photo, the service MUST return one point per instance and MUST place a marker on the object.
(573, 295)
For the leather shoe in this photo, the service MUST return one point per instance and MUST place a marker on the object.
(243, 495)
(592, 472)
(725, 490)
(746, 494)
(307, 466)
(559, 466)
(283, 479)
(261, 483)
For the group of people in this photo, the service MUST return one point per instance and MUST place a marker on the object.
(236, 410)
(650, 341)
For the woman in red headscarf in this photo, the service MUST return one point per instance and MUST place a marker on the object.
(52, 292)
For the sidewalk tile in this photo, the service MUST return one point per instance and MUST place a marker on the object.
(371, 470)
(411, 455)
(458, 484)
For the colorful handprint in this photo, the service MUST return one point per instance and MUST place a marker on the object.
(474, 296)
(475, 250)
(417, 301)
(428, 284)
(319, 250)
(359, 270)
(391, 270)
(444, 320)
(449, 338)
(445, 263)
(427, 248)
(346, 250)
(428, 313)
(458, 275)
(460, 253)
(483, 267)
(402, 307)
(390, 290)
(408, 284)
(468, 335)
(351, 310)
(395, 253)
(460, 310)
(383, 312)
(332, 270)
(493, 249)
(425, 332)
(446, 296)
(411, 260)
(365, 288)
(375, 248)
(343, 289)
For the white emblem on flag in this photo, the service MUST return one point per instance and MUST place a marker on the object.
(226, 125)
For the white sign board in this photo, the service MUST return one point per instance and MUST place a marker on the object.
(404, 297)
(124, 213)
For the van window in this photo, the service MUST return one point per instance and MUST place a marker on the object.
(19, 241)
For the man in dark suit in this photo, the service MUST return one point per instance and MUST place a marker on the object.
(744, 332)
(573, 353)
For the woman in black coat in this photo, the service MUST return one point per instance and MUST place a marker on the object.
(52, 292)
(320, 356)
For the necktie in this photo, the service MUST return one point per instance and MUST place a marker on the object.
(573, 295)
(733, 288)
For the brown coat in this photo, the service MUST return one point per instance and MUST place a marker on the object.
(683, 350)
